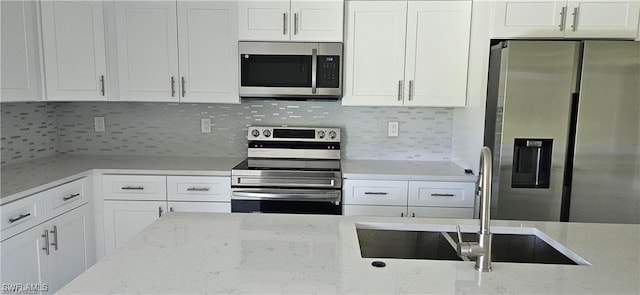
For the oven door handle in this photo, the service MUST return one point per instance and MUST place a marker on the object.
(286, 182)
(328, 197)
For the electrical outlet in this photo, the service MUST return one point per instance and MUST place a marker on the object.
(98, 124)
(205, 125)
(393, 129)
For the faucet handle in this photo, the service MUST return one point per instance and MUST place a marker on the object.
(459, 234)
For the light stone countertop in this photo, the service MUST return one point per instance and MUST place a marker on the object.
(235, 253)
(405, 170)
(29, 177)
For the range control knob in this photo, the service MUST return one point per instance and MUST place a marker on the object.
(255, 133)
(332, 134)
(266, 133)
(320, 134)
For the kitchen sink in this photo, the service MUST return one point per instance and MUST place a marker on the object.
(516, 245)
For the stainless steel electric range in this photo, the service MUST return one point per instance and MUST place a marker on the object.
(289, 170)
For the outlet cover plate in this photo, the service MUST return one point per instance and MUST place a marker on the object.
(205, 125)
(98, 124)
(393, 129)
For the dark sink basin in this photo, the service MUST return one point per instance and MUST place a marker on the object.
(432, 245)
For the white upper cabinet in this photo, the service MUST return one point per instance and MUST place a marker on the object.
(147, 38)
(437, 53)
(295, 20)
(374, 53)
(19, 59)
(570, 19)
(74, 50)
(208, 46)
(399, 53)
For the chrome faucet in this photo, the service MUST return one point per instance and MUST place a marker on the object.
(482, 249)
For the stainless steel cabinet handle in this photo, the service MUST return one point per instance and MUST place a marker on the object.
(410, 89)
(55, 237)
(442, 195)
(376, 193)
(102, 85)
(173, 86)
(22, 216)
(170, 209)
(574, 26)
(400, 90)
(563, 17)
(138, 188)
(401, 214)
(295, 23)
(159, 211)
(71, 197)
(46, 241)
(284, 23)
(184, 91)
(198, 189)
(413, 214)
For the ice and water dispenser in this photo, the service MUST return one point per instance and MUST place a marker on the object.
(531, 163)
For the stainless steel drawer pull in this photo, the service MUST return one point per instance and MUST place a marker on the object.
(400, 90)
(442, 195)
(295, 23)
(410, 90)
(55, 237)
(413, 214)
(22, 216)
(159, 211)
(46, 241)
(71, 197)
(133, 188)
(376, 193)
(198, 189)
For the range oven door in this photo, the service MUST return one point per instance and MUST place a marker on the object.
(307, 70)
(298, 201)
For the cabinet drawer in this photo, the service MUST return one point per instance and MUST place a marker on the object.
(134, 187)
(441, 194)
(68, 196)
(367, 192)
(209, 207)
(440, 212)
(22, 215)
(368, 210)
(196, 188)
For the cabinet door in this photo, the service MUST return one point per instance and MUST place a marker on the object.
(23, 259)
(264, 20)
(518, 18)
(608, 19)
(124, 219)
(72, 246)
(74, 50)
(367, 210)
(317, 21)
(147, 37)
(437, 53)
(208, 207)
(208, 43)
(19, 60)
(374, 53)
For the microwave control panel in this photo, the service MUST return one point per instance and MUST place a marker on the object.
(328, 73)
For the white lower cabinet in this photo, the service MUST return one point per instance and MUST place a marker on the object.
(125, 219)
(408, 198)
(52, 254)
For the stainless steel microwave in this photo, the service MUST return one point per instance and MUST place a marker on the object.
(290, 70)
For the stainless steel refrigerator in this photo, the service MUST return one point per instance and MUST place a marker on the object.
(563, 124)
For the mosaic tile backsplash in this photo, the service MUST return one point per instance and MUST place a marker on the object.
(174, 129)
(28, 131)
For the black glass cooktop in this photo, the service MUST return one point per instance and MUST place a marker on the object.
(289, 164)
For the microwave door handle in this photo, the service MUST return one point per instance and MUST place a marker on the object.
(314, 68)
